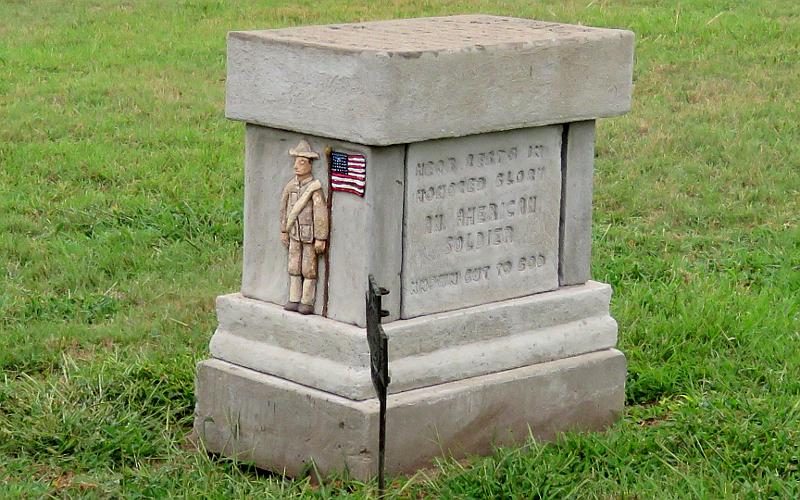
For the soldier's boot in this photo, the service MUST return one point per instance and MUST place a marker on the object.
(295, 293)
(309, 294)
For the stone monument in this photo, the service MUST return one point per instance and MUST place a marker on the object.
(451, 158)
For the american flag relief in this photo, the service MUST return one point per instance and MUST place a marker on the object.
(348, 172)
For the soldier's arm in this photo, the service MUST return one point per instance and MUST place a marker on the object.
(284, 200)
(321, 226)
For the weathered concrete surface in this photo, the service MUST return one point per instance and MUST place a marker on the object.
(270, 324)
(575, 250)
(403, 81)
(281, 425)
(430, 333)
(433, 349)
(481, 219)
(366, 233)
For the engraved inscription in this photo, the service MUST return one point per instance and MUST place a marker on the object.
(508, 178)
(426, 284)
(478, 214)
(435, 167)
(481, 219)
(476, 274)
(491, 157)
(434, 223)
(476, 240)
(448, 190)
(536, 151)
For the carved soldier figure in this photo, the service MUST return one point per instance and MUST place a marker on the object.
(304, 229)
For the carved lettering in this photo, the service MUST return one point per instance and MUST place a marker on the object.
(429, 283)
(438, 167)
(458, 187)
(491, 157)
(475, 240)
(469, 199)
(479, 214)
(504, 268)
(510, 177)
(531, 262)
(475, 274)
(434, 223)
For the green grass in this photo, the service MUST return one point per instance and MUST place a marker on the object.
(120, 221)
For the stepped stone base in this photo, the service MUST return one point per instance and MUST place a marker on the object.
(429, 350)
(282, 426)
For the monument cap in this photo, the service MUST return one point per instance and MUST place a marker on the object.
(401, 81)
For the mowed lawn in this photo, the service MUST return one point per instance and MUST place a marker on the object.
(121, 220)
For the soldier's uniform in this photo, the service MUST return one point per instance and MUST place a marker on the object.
(304, 224)
(310, 225)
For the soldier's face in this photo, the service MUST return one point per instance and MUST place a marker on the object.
(302, 166)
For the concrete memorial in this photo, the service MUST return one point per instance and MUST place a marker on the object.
(451, 158)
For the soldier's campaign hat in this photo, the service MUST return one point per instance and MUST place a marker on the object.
(303, 149)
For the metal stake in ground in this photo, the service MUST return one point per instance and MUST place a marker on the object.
(379, 364)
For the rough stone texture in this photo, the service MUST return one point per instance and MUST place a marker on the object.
(279, 424)
(403, 81)
(365, 232)
(576, 204)
(282, 426)
(334, 357)
(481, 219)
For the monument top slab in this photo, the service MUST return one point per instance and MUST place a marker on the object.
(403, 81)
(429, 34)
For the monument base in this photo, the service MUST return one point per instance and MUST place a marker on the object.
(283, 426)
